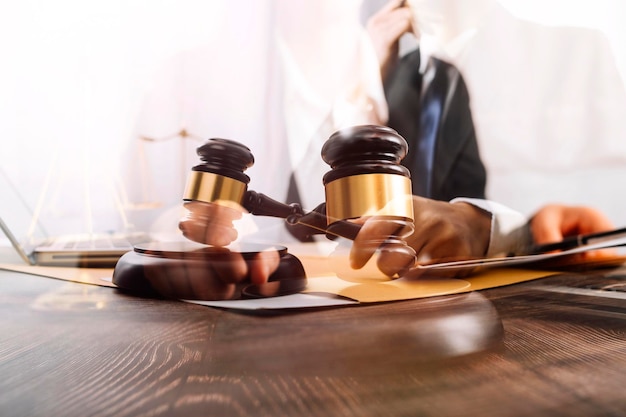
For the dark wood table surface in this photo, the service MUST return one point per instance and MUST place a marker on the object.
(551, 347)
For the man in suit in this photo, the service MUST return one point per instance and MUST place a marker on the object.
(429, 106)
(443, 159)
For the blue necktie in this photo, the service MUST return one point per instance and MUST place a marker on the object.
(435, 83)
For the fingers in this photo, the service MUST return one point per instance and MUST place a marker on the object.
(385, 29)
(214, 277)
(374, 232)
(447, 232)
(173, 278)
(443, 232)
(227, 266)
(546, 224)
(395, 259)
(582, 220)
(209, 223)
(262, 266)
(554, 222)
(202, 285)
(391, 24)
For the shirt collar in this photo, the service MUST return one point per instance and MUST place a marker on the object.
(449, 51)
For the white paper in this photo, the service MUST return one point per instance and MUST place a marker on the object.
(523, 259)
(300, 300)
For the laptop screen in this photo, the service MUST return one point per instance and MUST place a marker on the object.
(18, 218)
(23, 230)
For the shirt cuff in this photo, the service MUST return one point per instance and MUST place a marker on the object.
(510, 231)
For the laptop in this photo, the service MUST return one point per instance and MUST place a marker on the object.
(22, 229)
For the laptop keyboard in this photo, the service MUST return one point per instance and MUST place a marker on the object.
(105, 242)
(100, 243)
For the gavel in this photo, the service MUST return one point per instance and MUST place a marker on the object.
(366, 180)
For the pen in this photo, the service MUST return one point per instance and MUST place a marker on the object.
(579, 240)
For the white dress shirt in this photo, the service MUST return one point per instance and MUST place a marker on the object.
(510, 232)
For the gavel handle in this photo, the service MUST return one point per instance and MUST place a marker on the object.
(316, 222)
(312, 223)
(262, 205)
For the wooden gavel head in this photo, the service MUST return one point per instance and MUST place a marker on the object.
(220, 177)
(366, 178)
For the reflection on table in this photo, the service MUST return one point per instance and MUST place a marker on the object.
(537, 348)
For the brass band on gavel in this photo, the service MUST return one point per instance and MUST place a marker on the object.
(214, 188)
(368, 195)
(366, 177)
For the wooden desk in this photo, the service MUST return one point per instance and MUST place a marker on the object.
(70, 349)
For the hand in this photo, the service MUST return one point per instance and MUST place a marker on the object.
(385, 29)
(213, 277)
(216, 277)
(209, 223)
(554, 222)
(443, 232)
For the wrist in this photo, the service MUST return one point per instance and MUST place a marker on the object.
(508, 230)
(479, 223)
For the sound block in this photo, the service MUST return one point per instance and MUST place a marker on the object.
(131, 269)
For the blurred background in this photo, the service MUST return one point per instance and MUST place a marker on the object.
(101, 110)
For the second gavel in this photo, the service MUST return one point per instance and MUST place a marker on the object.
(366, 181)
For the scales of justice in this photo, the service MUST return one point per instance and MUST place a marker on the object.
(146, 185)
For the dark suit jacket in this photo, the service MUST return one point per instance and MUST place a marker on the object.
(457, 168)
